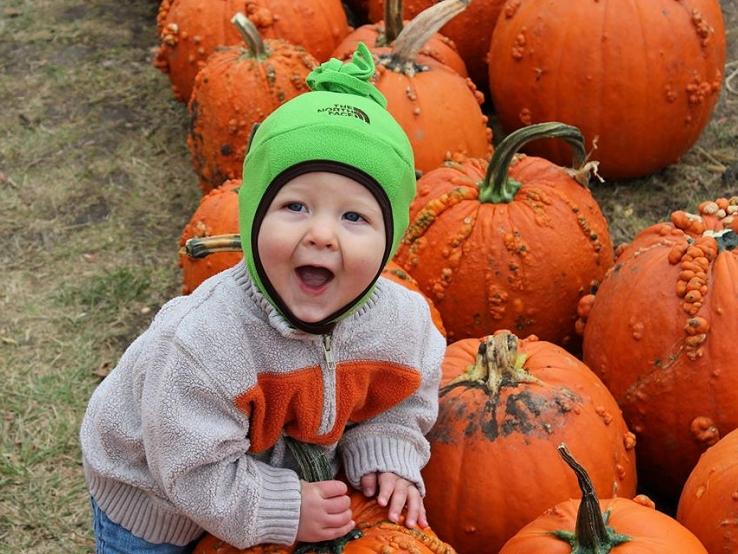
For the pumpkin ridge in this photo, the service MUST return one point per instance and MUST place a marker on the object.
(433, 209)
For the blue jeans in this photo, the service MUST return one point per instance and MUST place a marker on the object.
(112, 538)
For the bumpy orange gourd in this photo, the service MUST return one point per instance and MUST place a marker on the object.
(384, 32)
(217, 214)
(237, 88)
(639, 78)
(191, 30)
(589, 525)
(505, 404)
(471, 31)
(438, 108)
(708, 505)
(379, 536)
(394, 272)
(661, 333)
(507, 250)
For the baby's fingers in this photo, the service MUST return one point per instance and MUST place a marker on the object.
(414, 508)
(397, 502)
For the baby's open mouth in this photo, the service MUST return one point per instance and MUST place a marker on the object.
(314, 276)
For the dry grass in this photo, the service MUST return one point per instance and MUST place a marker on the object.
(95, 187)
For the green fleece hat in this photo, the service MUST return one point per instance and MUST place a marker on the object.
(340, 126)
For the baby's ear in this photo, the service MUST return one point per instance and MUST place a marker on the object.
(251, 136)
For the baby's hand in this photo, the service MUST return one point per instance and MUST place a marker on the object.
(396, 491)
(325, 511)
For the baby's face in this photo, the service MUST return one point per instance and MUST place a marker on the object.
(321, 243)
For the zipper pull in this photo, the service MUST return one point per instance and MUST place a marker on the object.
(328, 352)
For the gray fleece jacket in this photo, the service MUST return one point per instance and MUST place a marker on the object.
(185, 434)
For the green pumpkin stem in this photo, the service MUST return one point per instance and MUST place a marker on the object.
(204, 246)
(592, 535)
(422, 27)
(497, 187)
(727, 240)
(250, 35)
(498, 362)
(392, 20)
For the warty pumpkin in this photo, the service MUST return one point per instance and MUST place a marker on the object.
(509, 244)
(437, 108)
(708, 505)
(191, 30)
(505, 404)
(470, 32)
(237, 88)
(590, 525)
(384, 33)
(216, 215)
(640, 79)
(373, 534)
(661, 331)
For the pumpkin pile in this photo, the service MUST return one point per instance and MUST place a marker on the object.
(554, 337)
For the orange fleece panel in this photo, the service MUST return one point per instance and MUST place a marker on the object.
(294, 401)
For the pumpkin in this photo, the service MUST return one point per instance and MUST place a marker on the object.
(594, 526)
(639, 79)
(237, 88)
(512, 244)
(438, 109)
(708, 505)
(470, 32)
(217, 214)
(504, 405)
(394, 272)
(660, 332)
(373, 534)
(384, 33)
(191, 30)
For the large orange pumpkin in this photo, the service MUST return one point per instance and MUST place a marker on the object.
(661, 334)
(438, 108)
(191, 30)
(471, 31)
(708, 505)
(512, 244)
(384, 33)
(638, 78)
(505, 404)
(237, 88)
(217, 214)
(597, 526)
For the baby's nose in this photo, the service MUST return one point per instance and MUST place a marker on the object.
(322, 234)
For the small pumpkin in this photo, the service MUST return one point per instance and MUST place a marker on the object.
(394, 272)
(237, 88)
(640, 79)
(437, 108)
(216, 215)
(373, 534)
(660, 332)
(708, 505)
(191, 30)
(504, 405)
(601, 526)
(384, 33)
(509, 244)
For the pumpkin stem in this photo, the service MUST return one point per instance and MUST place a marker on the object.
(727, 239)
(392, 20)
(250, 35)
(592, 535)
(497, 187)
(498, 363)
(204, 246)
(422, 27)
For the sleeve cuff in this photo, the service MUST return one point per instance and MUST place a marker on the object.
(279, 506)
(383, 454)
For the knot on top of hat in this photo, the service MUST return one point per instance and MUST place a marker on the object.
(350, 78)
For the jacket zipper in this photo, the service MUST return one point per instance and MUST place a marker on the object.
(328, 417)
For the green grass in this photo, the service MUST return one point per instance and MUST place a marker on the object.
(95, 188)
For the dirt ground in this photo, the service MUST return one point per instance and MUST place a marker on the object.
(95, 188)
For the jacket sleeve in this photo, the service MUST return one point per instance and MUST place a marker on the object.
(394, 441)
(196, 447)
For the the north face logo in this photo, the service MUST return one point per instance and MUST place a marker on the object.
(345, 110)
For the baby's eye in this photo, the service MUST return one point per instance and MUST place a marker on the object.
(295, 206)
(354, 217)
